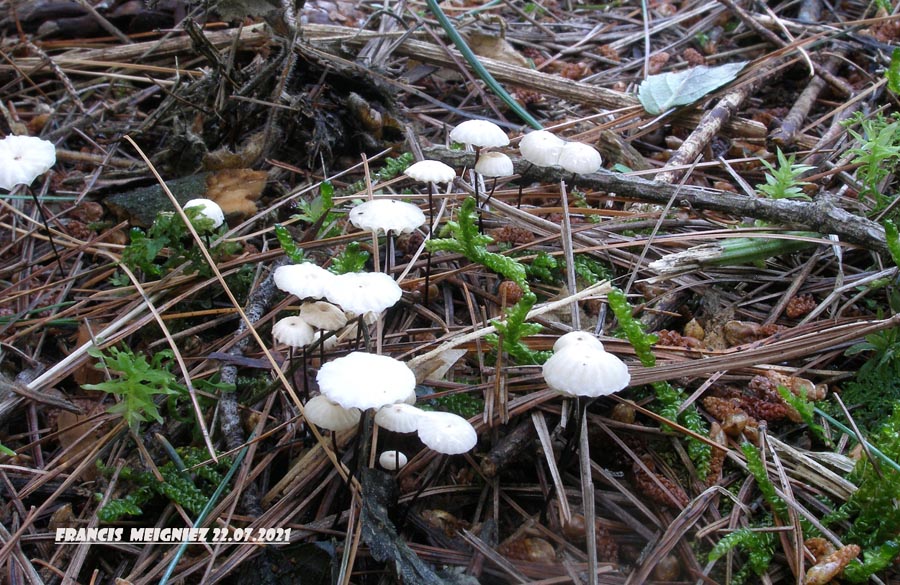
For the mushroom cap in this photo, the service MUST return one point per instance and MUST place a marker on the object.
(293, 331)
(330, 416)
(387, 215)
(446, 433)
(480, 133)
(581, 338)
(581, 370)
(23, 159)
(430, 171)
(365, 380)
(208, 209)
(541, 148)
(399, 417)
(362, 292)
(304, 281)
(392, 460)
(494, 164)
(580, 158)
(322, 315)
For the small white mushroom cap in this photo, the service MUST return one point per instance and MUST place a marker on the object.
(387, 215)
(446, 433)
(480, 133)
(581, 370)
(582, 338)
(304, 281)
(541, 148)
(322, 315)
(208, 209)
(494, 164)
(23, 159)
(362, 292)
(430, 171)
(580, 158)
(293, 331)
(392, 460)
(365, 380)
(399, 418)
(330, 416)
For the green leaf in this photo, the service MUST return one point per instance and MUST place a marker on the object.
(892, 237)
(893, 72)
(659, 93)
(290, 248)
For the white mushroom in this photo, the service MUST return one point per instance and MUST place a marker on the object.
(580, 158)
(330, 416)
(480, 134)
(541, 148)
(446, 433)
(399, 418)
(23, 159)
(365, 380)
(209, 209)
(387, 215)
(577, 338)
(322, 315)
(494, 164)
(304, 281)
(582, 370)
(430, 171)
(293, 332)
(392, 460)
(363, 292)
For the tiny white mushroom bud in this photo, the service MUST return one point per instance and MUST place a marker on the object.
(392, 460)
(208, 209)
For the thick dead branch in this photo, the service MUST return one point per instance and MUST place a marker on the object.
(824, 217)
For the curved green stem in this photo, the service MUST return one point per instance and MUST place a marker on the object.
(476, 65)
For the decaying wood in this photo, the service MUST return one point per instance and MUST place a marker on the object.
(824, 217)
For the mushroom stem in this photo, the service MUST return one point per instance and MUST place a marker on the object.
(427, 251)
(40, 210)
(428, 481)
(305, 377)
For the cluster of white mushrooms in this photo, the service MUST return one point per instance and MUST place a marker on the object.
(545, 149)
(361, 381)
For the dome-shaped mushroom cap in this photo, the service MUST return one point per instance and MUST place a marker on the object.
(293, 331)
(580, 158)
(304, 281)
(494, 164)
(330, 342)
(399, 418)
(208, 209)
(365, 380)
(392, 460)
(330, 416)
(430, 171)
(362, 292)
(582, 338)
(446, 433)
(479, 133)
(541, 148)
(323, 315)
(23, 159)
(581, 370)
(387, 215)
